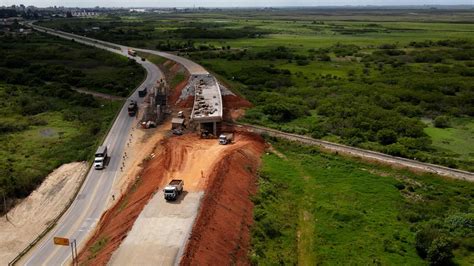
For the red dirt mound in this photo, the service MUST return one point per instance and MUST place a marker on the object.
(221, 233)
(234, 102)
(234, 107)
(173, 98)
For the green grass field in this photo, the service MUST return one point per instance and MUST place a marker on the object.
(319, 209)
(458, 139)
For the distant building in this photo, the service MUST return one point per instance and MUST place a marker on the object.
(84, 13)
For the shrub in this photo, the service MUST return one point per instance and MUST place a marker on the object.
(423, 240)
(441, 121)
(302, 62)
(400, 186)
(387, 136)
(440, 251)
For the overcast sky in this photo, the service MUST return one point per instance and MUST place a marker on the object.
(226, 3)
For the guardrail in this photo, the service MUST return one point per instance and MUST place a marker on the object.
(358, 152)
(55, 220)
(75, 36)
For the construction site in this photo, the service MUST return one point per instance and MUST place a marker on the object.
(139, 221)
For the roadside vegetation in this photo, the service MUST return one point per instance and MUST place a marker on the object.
(45, 123)
(316, 208)
(353, 79)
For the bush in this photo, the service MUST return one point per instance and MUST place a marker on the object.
(400, 186)
(440, 251)
(424, 238)
(432, 244)
(302, 62)
(387, 136)
(441, 121)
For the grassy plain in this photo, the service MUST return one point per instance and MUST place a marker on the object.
(458, 138)
(45, 123)
(319, 209)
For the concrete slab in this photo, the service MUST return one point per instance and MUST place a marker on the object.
(159, 234)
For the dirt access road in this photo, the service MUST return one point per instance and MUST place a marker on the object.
(162, 227)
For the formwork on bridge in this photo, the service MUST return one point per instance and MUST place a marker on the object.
(207, 108)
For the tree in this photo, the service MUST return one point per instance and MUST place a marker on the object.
(441, 121)
(386, 136)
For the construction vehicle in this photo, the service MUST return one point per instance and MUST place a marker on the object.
(173, 189)
(226, 138)
(100, 156)
(205, 134)
(131, 52)
(142, 93)
(132, 108)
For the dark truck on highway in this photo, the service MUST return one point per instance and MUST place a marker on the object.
(173, 189)
(143, 92)
(132, 108)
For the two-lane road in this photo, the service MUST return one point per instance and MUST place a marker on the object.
(87, 208)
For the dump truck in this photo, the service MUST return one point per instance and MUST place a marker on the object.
(226, 138)
(132, 108)
(131, 52)
(100, 156)
(173, 189)
(143, 92)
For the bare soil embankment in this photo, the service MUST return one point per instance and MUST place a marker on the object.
(196, 161)
(29, 218)
(221, 233)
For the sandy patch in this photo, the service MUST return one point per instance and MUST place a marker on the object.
(29, 218)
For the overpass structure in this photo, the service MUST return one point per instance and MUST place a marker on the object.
(208, 107)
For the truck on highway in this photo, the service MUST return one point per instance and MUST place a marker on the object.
(132, 52)
(143, 92)
(226, 138)
(132, 108)
(173, 189)
(100, 157)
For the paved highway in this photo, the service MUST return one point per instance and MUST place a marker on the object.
(86, 210)
(192, 67)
